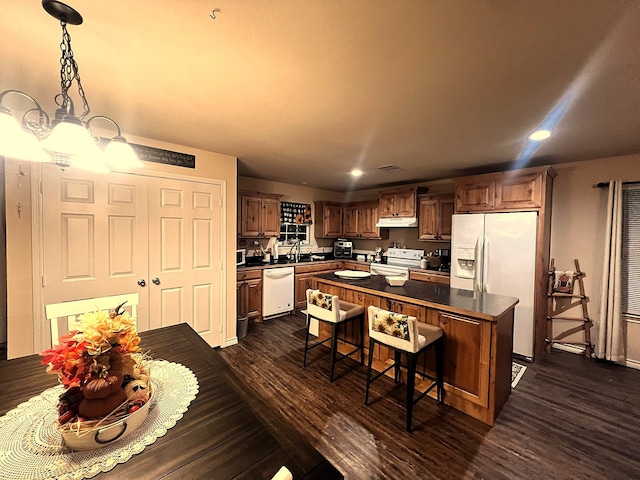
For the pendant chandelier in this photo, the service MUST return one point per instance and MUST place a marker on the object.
(67, 139)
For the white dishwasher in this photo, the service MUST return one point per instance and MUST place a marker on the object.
(277, 291)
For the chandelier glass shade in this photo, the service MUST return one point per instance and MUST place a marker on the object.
(67, 139)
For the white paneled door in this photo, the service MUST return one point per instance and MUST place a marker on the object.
(115, 234)
(184, 236)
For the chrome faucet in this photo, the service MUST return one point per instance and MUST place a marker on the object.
(296, 244)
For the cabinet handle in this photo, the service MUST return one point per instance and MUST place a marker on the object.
(155, 281)
(142, 283)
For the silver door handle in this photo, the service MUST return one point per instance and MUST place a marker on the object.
(142, 283)
(155, 281)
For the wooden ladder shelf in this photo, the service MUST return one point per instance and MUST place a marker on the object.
(561, 299)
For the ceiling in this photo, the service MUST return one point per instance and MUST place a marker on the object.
(301, 91)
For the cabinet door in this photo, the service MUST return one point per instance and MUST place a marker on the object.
(241, 299)
(302, 283)
(519, 192)
(270, 218)
(406, 203)
(467, 342)
(428, 219)
(254, 299)
(429, 277)
(332, 221)
(445, 217)
(351, 221)
(250, 217)
(387, 205)
(475, 196)
(367, 220)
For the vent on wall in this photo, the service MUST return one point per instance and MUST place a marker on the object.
(389, 168)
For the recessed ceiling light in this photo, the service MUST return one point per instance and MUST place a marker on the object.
(540, 135)
(356, 172)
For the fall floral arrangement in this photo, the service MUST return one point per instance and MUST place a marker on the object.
(101, 369)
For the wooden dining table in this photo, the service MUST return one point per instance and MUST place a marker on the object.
(227, 432)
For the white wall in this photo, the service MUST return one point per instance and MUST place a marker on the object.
(577, 226)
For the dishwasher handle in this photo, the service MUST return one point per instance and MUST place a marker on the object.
(276, 273)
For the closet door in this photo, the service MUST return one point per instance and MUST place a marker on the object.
(185, 259)
(95, 233)
(114, 234)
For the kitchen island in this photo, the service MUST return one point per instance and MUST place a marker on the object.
(478, 331)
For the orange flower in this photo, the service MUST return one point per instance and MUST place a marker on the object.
(95, 334)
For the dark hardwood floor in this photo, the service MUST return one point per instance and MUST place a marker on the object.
(568, 418)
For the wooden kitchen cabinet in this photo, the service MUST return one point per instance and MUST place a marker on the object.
(428, 276)
(401, 203)
(328, 219)
(259, 215)
(361, 267)
(519, 191)
(434, 216)
(359, 220)
(350, 220)
(505, 191)
(304, 279)
(467, 342)
(249, 294)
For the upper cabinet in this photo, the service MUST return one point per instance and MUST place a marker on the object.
(400, 203)
(359, 220)
(434, 216)
(505, 191)
(259, 215)
(328, 220)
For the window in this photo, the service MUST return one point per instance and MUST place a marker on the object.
(631, 250)
(290, 232)
(295, 219)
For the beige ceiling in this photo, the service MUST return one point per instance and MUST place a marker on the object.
(301, 91)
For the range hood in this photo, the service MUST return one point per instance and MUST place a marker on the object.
(397, 222)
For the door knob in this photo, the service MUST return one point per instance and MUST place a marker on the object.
(156, 281)
(142, 283)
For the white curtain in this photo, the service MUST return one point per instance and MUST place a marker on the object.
(610, 344)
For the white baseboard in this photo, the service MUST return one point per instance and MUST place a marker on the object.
(230, 341)
(580, 351)
(633, 364)
(569, 348)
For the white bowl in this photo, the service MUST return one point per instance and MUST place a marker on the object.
(395, 280)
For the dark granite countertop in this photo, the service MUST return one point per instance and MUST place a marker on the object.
(480, 305)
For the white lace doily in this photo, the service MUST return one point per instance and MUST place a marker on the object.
(31, 446)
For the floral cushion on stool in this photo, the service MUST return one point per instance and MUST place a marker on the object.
(321, 300)
(393, 324)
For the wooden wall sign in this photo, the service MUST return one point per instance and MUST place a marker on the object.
(157, 155)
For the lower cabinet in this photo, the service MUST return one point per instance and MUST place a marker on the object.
(433, 277)
(467, 342)
(361, 267)
(249, 294)
(304, 279)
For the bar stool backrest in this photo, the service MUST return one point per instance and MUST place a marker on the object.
(323, 306)
(393, 329)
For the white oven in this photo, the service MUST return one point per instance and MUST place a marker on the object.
(399, 260)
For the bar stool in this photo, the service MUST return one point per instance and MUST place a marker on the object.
(335, 312)
(404, 334)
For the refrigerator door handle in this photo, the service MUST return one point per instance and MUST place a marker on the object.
(485, 270)
(477, 278)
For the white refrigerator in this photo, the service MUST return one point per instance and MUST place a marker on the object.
(496, 253)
